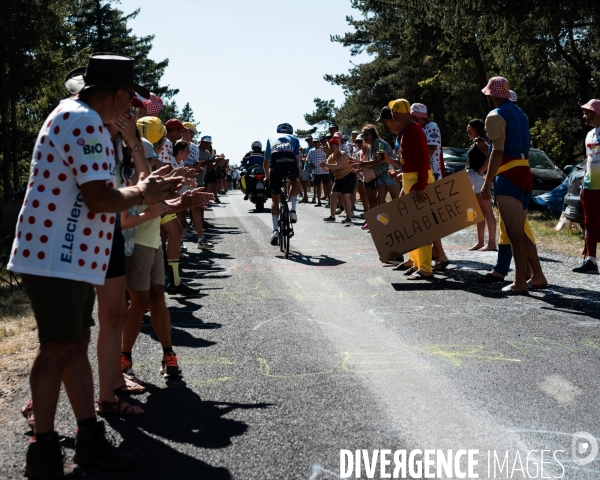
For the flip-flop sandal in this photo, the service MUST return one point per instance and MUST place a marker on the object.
(118, 408)
(401, 267)
(419, 276)
(531, 286)
(508, 291)
(133, 378)
(442, 265)
(130, 390)
(490, 278)
(410, 271)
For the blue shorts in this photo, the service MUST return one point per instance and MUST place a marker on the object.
(503, 186)
(385, 179)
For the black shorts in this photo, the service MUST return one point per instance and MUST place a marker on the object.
(229, 178)
(321, 178)
(372, 185)
(211, 177)
(62, 308)
(283, 164)
(117, 261)
(346, 184)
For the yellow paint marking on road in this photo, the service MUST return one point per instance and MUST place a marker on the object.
(457, 354)
(265, 369)
(540, 343)
(591, 342)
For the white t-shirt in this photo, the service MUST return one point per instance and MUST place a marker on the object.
(434, 138)
(194, 156)
(346, 148)
(316, 156)
(57, 235)
(166, 155)
(591, 181)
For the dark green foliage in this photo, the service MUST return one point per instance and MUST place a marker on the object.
(441, 53)
(42, 41)
(324, 114)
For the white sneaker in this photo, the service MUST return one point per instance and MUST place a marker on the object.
(275, 238)
(293, 216)
(204, 244)
(338, 211)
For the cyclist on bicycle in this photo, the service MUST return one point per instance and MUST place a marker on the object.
(282, 157)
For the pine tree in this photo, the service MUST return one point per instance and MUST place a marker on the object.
(187, 114)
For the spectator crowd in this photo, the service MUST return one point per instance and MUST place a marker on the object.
(113, 192)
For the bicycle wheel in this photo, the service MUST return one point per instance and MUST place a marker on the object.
(284, 229)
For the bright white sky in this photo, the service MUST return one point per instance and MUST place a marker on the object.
(246, 66)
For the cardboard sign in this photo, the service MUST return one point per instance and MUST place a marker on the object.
(404, 224)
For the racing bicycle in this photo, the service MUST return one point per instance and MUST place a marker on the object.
(286, 230)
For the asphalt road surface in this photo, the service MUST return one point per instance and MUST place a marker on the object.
(288, 362)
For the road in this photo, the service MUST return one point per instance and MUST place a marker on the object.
(287, 362)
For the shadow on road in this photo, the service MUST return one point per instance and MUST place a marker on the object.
(575, 301)
(313, 261)
(176, 422)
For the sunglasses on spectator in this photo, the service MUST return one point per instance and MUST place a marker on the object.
(130, 92)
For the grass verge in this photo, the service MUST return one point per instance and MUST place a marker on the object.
(567, 242)
(18, 339)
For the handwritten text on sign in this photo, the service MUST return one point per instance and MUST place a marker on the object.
(399, 226)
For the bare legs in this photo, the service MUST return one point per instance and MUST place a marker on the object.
(159, 316)
(112, 315)
(383, 190)
(175, 232)
(490, 219)
(68, 363)
(360, 188)
(524, 250)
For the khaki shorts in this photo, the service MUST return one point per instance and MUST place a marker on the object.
(145, 267)
(62, 308)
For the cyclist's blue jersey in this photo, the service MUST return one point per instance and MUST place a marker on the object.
(282, 142)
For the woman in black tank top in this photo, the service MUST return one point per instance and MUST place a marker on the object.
(476, 166)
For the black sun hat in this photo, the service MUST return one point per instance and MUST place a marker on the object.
(104, 68)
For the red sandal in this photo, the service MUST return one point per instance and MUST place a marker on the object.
(118, 408)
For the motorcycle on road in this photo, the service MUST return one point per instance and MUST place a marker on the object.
(253, 185)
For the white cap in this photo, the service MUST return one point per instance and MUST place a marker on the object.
(206, 138)
(149, 149)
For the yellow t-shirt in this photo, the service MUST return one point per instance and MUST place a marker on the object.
(148, 233)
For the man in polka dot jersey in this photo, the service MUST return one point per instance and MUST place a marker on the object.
(62, 247)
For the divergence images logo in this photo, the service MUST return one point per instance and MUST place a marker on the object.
(585, 448)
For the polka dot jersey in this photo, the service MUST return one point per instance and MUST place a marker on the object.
(57, 235)
(166, 155)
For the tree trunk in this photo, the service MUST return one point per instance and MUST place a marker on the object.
(15, 139)
(99, 30)
(481, 78)
(441, 117)
(5, 132)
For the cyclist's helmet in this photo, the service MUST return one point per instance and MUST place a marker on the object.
(256, 144)
(285, 128)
